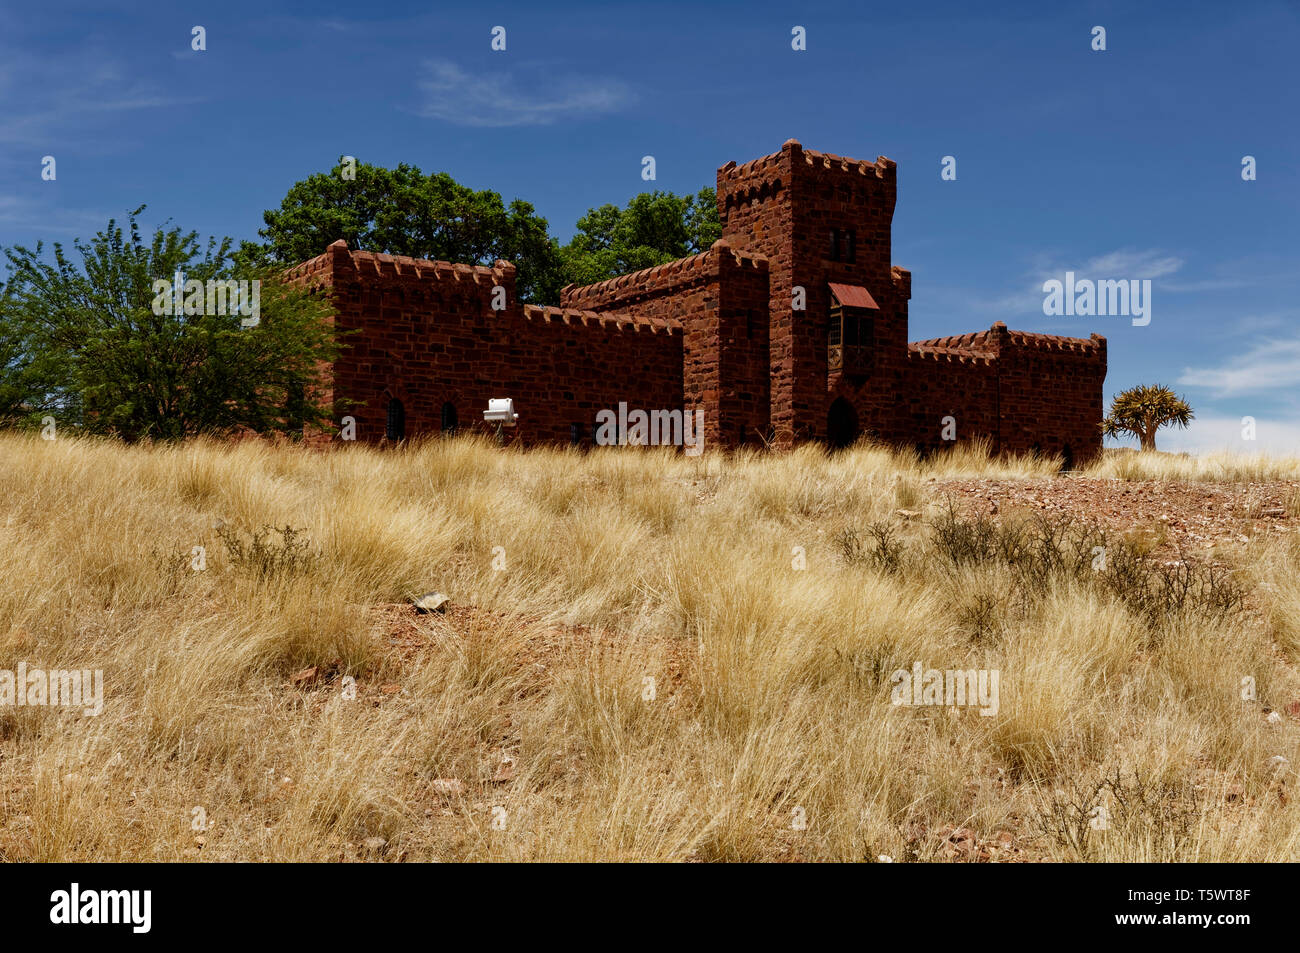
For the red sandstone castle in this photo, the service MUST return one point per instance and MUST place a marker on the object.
(793, 326)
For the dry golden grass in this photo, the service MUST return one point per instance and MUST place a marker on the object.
(1221, 467)
(663, 681)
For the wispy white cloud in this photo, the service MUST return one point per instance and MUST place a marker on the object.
(501, 99)
(49, 93)
(1130, 263)
(1123, 263)
(1270, 366)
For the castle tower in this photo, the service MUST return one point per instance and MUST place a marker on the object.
(823, 222)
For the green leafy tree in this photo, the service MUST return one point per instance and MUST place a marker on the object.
(14, 367)
(84, 342)
(654, 228)
(1143, 410)
(403, 211)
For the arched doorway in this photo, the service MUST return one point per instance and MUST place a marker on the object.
(449, 422)
(841, 424)
(395, 427)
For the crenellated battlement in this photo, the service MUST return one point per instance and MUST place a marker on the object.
(674, 276)
(1090, 347)
(882, 168)
(603, 320)
(338, 258)
(949, 355)
(998, 339)
(902, 281)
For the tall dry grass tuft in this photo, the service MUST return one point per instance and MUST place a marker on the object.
(645, 657)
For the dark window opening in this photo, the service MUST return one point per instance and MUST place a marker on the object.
(449, 423)
(841, 424)
(844, 242)
(575, 435)
(395, 427)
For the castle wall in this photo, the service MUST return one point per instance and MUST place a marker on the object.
(1051, 394)
(426, 333)
(740, 348)
(943, 385)
(1022, 391)
(720, 298)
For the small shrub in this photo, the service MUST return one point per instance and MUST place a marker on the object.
(881, 548)
(1076, 819)
(961, 540)
(270, 552)
(980, 616)
(1162, 591)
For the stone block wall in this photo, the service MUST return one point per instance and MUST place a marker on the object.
(426, 333)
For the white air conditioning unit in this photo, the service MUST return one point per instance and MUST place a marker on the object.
(501, 411)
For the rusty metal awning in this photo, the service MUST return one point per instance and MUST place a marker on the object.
(853, 296)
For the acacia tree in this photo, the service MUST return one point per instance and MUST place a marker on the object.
(403, 211)
(1143, 410)
(83, 341)
(654, 228)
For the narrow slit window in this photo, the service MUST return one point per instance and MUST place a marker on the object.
(395, 427)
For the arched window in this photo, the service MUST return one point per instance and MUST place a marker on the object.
(395, 429)
(449, 423)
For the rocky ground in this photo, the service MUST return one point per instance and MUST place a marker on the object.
(1190, 516)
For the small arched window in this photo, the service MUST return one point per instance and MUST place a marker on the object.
(395, 428)
(449, 421)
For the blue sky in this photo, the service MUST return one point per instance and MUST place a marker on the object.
(1117, 164)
